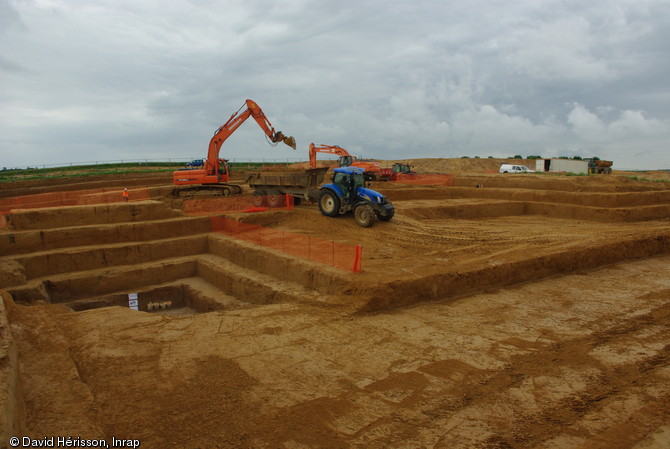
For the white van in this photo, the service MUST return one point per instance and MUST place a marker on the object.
(509, 168)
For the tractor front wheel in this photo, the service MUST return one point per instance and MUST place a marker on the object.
(364, 215)
(329, 203)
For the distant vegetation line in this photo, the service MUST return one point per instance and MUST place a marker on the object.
(170, 162)
(7, 175)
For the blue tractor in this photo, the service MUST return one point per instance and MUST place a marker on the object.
(348, 193)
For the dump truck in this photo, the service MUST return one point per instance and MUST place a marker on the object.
(346, 193)
(599, 167)
(273, 186)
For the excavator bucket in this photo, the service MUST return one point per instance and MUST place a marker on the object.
(290, 141)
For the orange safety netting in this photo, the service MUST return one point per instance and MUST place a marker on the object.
(339, 255)
(420, 179)
(72, 198)
(208, 206)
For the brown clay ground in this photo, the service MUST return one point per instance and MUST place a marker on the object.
(532, 312)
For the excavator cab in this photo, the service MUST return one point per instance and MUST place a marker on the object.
(346, 161)
(223, 167)
(402, 169)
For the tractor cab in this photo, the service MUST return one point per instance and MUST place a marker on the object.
(349, 181)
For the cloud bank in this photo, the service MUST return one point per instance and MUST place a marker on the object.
(109, 80)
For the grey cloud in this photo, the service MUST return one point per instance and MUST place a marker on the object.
(430, 78)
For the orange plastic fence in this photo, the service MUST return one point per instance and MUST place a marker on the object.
(339, 255)
(436, 179)
(73, 198)
(238, 203)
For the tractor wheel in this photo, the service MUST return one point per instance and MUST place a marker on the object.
(275, 199)
(364, 215)
(329, 203)
(257, 198)
(387, 217)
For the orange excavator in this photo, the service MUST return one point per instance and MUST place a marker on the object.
(214, 176)
(372, 169)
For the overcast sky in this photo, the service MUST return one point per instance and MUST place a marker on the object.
(390, 79)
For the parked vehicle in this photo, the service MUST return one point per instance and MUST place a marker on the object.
(596, 166)
(510, 168)
(196, 163)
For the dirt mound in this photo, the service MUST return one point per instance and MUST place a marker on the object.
(461, 165)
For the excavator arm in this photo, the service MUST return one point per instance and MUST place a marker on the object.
(320, 148)
(234, 122)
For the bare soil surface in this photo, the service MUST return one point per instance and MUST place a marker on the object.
(524, 311)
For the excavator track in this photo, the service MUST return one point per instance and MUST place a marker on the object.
(205, 191)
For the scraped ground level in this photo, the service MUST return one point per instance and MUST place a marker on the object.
(517, 315)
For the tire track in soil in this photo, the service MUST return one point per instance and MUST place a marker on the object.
(400, 407)
(612, 384)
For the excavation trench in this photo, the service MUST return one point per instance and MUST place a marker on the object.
(94, 256)
(284, 357)
(184, 297)
(449, 285)
(477, 208)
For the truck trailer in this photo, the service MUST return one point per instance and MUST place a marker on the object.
(562, 165)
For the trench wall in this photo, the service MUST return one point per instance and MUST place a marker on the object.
(87, 284)
(86, 215)
(593, 183)
(88, 183)
(499, 208)
(50, 239)
(12, 406)
(71, 198)
(328, 252)
(591, 199)
(444, 286)
(178, 294)
(57, 262)
(280, 266)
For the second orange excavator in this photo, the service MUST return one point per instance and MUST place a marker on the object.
(214, 177)
(372, 169)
